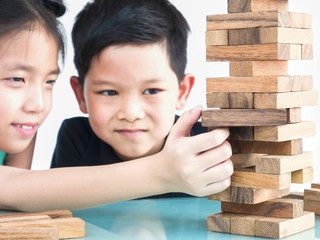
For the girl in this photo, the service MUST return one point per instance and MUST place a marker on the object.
(31, 44)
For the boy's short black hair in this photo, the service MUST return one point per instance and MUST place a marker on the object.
(103, 23)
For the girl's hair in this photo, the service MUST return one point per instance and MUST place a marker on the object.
(19, 15)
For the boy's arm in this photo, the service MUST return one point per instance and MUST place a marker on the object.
(196, 165)
(22, 159)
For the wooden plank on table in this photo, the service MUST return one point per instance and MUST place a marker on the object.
(256, 52)
(29, 233)
(258, 68)
(263, 84)
(243, 224)
(248, 195)
(229, 100)
(285, 132)
(249, 178)
(235, 6)
(304, 175)
(64, 213)
(217, 38)
(312, 194)
(285, 100)
(70, 227)
(283, 227)
(278, 164)
(280, 207)
(243, 117)
(291, 147)
(219, 222)
(248, 20)
(312, 206)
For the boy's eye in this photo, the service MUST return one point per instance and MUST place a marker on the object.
(51, 82)
(16, 79)
(152, 91)
(109, 92)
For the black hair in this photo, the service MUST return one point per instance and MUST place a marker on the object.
(18, 15)
(103, 23)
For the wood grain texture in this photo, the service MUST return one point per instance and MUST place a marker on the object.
(244, 117)
(229, 100)
(302, 176)
(235, 6)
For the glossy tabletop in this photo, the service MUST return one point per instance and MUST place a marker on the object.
(172, 218)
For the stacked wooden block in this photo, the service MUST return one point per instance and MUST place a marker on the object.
(261, 105)
(312, 198)
(48, 225)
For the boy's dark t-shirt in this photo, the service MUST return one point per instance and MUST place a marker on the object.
(77, 145)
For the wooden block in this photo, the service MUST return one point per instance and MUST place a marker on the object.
(241, 133)
(258, 68)
(221, 196)
(294, 115)
(281, 208)
(285, 132)
(52, 214)
(243, 160)
(306, 20)
(256, 52)
(263, 84)
(312, 194)
(291, 147)
(285, 100)
(219, 222)
(282, 227)
(249, 178)
(255, 195)
(278, 164)
(217, 38)
(312, 206)
(248, 20)
(304, 175)
(306, 51)
(315, 185)
(294, 195)
(70, 227)
(235, 6)
(28, 222)
(229, 100)
(300, 20)
(243, 224)
(244, 117)
(29, 233)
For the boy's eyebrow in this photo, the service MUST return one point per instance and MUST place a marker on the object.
(104, 81)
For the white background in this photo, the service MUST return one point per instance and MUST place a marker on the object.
(65, 105)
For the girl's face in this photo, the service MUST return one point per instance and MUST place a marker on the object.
(28, 71)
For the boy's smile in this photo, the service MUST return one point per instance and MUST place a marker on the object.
(131, 93)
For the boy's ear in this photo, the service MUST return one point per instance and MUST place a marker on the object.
(78, 92)
(184, 90)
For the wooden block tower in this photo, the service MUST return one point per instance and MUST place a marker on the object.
(261, 105)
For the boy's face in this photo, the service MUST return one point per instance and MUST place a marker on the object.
(28, 69)
(131, 93)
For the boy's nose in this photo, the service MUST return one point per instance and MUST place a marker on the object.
(131, 109)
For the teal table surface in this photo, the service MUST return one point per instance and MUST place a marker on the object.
(174, 218)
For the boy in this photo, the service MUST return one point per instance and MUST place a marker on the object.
(131, 57)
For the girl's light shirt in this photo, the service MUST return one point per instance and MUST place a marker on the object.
(2, 157)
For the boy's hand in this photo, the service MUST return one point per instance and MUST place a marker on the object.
(200, 163)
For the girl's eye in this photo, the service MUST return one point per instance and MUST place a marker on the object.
(109, 92)
(152, 91)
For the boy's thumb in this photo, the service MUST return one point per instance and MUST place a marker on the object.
(184, 124)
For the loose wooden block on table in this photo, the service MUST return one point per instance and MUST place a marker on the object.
(64, 213)
(282, 227)
(285, 132)
(248, 195)
(258, 68)
(315, 185)
(269, 52)
(278, 164)
(291, 147)
(282, 208)
(312, 199)
(30, 233)
(243, 117)
(235, 6)
(285, 100)
(312, 206)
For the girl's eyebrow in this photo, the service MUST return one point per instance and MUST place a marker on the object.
(24, 67)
